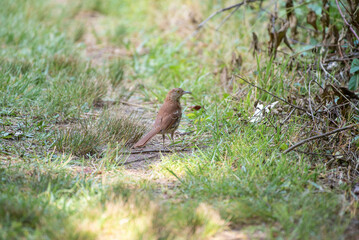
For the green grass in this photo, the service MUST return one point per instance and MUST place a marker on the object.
(40, 200)
(252, 184)
(61, 151)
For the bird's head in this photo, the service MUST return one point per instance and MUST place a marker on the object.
(176, 93)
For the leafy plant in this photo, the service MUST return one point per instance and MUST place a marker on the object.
(354, 80)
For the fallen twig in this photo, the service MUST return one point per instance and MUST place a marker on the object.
(319, 154)
(140, 160)
(347, 57)
(288, 117)
(316, 137)
(310, 105)
(131, 104)
(157, 151)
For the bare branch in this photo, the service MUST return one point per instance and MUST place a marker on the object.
(157, 151)
(237, 5)
(141, 159)
(201, 25)
(318, 136)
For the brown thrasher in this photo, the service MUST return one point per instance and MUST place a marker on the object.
(168, 117)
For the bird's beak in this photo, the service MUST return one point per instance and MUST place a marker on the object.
(186, 92)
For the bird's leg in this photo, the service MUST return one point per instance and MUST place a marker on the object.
(172, 136)
(163, 139)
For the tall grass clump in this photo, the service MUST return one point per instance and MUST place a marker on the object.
(116, 72)
(90, 136)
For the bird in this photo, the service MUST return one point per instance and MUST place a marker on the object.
(168, 117)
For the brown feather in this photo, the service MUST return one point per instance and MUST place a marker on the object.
(147, 137)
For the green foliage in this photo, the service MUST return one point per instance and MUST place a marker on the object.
(355, 66)
(354, 80)
(251, 182)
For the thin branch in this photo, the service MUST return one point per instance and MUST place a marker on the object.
(237, 5)
(346, 22)
(151, 151)
(130, 104)
(201, 25)
(279, 98)
(226, 18)
(346, 9)
(288, 117)
(140, 160)
(310, 105)
(157, 151)
(111, 102)
(347, 57)
(316, 137)
(319, 154)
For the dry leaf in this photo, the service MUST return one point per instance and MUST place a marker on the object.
(292, 19)
(332, 37)
(236, 61)
(349, 94)
(277, 37)
(281, 33)
(195, 108)
(293, 23)
(255, 44)
(289, 8)
(224, 76)
(312, 19)
(226, 80)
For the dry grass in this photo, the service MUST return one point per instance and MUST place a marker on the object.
(90, 136)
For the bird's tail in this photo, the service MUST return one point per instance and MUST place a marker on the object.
(143, 141)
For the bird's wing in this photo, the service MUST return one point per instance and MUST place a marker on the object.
(168, 120)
